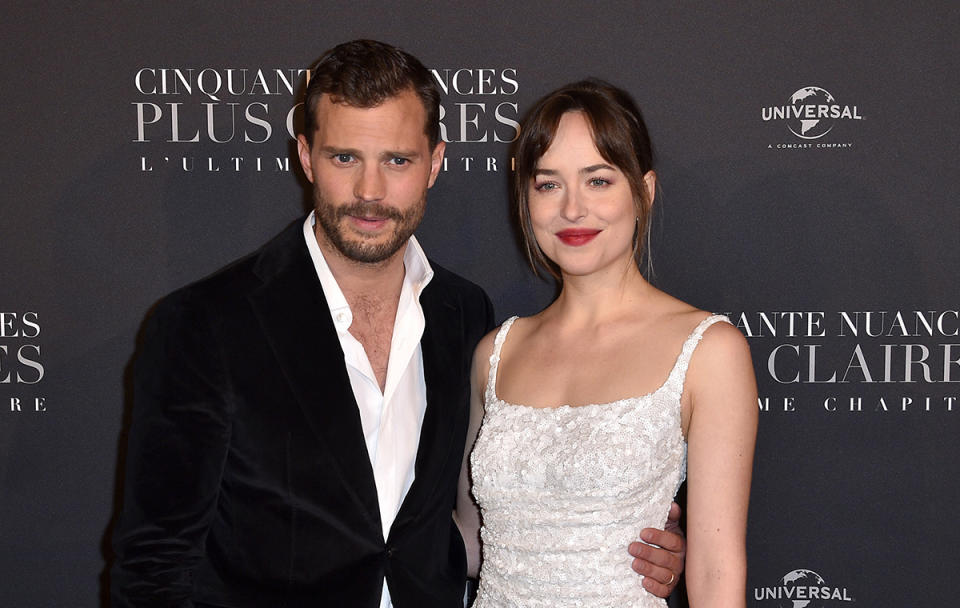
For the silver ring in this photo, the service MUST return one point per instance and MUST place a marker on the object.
(673, 577)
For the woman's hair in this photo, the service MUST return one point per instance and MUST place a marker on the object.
(619, 134)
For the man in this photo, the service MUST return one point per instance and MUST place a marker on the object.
(299, 417)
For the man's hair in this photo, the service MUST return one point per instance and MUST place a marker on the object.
(364, 74)
(619, 134)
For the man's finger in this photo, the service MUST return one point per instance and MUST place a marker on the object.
(663, 538)
(658, 581)
(674, 514)
(658, 589)
(645, 554)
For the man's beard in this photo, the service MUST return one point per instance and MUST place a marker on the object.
(330, 219)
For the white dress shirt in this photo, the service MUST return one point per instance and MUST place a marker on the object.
(391, 419)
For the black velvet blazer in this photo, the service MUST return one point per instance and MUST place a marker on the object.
(247, 477)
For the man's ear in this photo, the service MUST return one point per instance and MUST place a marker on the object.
(303, 151)
(436, 161)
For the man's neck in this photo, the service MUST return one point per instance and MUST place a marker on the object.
(372, 291)
(367, 280)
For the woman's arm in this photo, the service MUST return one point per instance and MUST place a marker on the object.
(467, 514)
(721, 432)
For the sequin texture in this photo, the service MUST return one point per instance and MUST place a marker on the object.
(564, 490)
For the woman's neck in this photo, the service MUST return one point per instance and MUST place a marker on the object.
(600, 296)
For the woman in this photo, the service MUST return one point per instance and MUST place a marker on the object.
(593, 409)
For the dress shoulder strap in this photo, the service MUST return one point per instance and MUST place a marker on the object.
(495, 356)
(679, 372)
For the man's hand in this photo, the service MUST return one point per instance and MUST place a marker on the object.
(662, 565)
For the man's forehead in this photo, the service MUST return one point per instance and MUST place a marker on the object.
(399, 117)
(407, 97)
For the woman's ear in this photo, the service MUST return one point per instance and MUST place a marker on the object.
(649, 187)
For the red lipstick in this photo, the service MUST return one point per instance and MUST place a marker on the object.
(576, 237)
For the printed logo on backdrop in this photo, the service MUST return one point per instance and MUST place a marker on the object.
(802, 589)
(815, 119)
(248, 113)
(855, 363)
(21, 369)
(241, 120)
(478, 107)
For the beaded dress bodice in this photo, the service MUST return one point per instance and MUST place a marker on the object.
(564, 490)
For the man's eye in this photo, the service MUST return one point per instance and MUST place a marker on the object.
(399, 161)
(343, 158)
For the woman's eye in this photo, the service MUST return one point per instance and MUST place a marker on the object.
(598, 181)
(545, 186)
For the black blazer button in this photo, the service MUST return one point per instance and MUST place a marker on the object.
(389, 551)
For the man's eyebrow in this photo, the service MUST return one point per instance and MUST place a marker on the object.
(411, 154)
(338, 150)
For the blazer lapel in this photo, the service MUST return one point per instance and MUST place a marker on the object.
(295, 317)
(441, 346)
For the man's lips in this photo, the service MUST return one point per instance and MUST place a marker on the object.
(577, 236)
(368, 222)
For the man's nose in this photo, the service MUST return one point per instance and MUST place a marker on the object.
(370, 184)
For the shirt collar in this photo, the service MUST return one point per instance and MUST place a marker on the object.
(417, 274)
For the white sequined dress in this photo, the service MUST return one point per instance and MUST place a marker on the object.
(564, 490)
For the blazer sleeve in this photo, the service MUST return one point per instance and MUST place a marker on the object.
(489, 321)
(177, 446)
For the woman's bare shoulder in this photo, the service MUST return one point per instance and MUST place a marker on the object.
(722, 356)
(675, 315)
(481, 354)
(483, 351)
(719, 342)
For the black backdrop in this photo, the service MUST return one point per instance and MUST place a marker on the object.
(833, 242)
